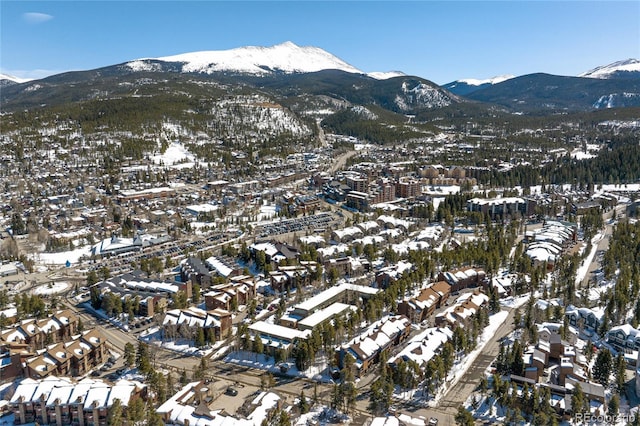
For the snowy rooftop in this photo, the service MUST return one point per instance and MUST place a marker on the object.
(333, 250)
(350, 231)
(65, 390)
(278, 331)
(220, 267)
(192, 317)
(496, 201)
(268, 248)
(376, 336)
(394, 222)
(318, 300)
(201, 208)
(324, 314)
(312, 239)
(424, 346)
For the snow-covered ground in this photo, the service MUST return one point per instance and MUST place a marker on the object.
(267, 212)
(578, 154)
(61, 258)
(152, 336)
(631, 187)
(515, 302)
(53, 288)
(318, 371)
(176, 153)
(584, 267)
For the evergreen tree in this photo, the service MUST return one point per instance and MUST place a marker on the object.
(114, 416)
(614, 405)
(602, 367)
(258, 346)
(199, 340)
(578, 399)
(303, 404)
(171, 387)
(195, 294)
(129, 354)
(517, 365)
(483, 385)
(135, 410)
(92, 278)
(143, 360)
(463, 417)
(620, 371)
(183, 378)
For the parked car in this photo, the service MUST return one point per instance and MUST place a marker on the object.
(231, 391)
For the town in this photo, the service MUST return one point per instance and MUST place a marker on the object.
(272, 235)
(352, 282)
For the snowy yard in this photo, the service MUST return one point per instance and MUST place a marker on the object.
(318, 371)
(52, 288)
(61, 258)
(153, 336)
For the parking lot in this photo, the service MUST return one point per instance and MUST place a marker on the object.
(317, 221)
(173, 249)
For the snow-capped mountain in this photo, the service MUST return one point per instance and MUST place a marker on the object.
(386, 75)
(284, 58)
(492, 80)
(619, 69)
(287, 58)
(470, 85)
(6, 80)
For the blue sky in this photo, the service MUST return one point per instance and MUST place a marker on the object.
(438, 40)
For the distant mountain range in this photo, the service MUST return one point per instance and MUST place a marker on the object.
(629, 68)
(286, 71)
(287, 58)
(553, 93)
(8, 80)
(469, 85)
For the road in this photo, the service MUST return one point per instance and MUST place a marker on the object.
(116, 338)
(458, 394)
(603, 244)
(340, 161)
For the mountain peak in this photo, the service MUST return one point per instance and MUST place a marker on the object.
(613, 69)
(13, 79)
(467, 86)
(286, 57)
(492, 80)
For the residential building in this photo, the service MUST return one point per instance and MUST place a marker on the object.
(35, 334)
(62, 401)
(584, 318)
(426, 302)
(461, 313)
(366, 348)
(423, 347)
(463, 278)
(345, 293)
(185, 322)
(499, 207)
(192, 269)
(624, 338)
